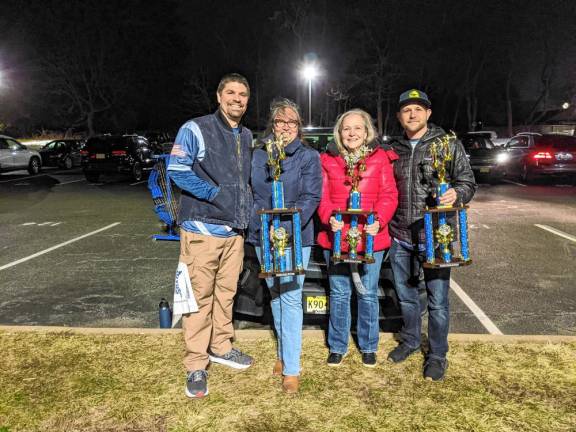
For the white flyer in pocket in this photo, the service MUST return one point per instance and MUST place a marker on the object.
(184, 301)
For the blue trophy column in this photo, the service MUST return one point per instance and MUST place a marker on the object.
(354, 205)
(265, 235)
(278, 203)
(369, 239)
(463, 223)
(337, 238)
(296, 232)
(429, 238)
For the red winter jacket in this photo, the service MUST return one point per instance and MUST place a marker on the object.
(377, 188)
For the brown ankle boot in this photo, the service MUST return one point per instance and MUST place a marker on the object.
(278, 367)
(290, 384)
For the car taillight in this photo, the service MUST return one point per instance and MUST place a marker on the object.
(118, 152)
(83, 152)
(542, 155)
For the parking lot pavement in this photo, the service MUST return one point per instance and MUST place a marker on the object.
(522, 279)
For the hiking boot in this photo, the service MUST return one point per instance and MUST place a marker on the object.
(401, 353)
(335, 359)
(369, 359)
(290, 384)
(234, 358)
(435, 369)
(278, 368)
(196, 384)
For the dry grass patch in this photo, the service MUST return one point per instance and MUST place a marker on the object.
(69, 382)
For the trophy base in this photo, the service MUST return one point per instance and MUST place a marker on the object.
(456, 262)
(344, 258)
(264, 275)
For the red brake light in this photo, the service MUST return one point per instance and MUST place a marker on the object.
(118, 152)
(542, 155)
(83, 152)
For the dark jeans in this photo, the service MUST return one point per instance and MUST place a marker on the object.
(406, 266)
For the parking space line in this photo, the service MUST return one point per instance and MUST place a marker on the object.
(13, 263)
(134, 184)
(557, 232)
(478, 313)
(73, 181)
(513, 182)
(23, 178)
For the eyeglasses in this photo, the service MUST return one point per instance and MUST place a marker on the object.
(283, 123)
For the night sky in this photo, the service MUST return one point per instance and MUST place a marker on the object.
(124, 66)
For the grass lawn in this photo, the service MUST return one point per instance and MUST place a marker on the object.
(70, 382)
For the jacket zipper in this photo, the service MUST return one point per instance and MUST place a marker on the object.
(240, 170)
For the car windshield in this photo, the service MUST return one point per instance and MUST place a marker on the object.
(473, 142)
(557, 141)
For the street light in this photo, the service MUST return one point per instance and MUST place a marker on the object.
(309, 72)
(565, 105)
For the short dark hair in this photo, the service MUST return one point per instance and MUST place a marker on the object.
(233, 77)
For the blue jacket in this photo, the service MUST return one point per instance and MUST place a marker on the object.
(302, 179)
(220, 179)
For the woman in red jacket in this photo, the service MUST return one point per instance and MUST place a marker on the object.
(355, 140)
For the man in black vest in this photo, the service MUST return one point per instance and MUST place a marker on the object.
(210, 162)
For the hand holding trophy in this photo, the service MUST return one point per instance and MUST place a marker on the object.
(275, 240)
(355, 165)
(436, 226)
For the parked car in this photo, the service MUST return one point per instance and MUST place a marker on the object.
(487, 161)
(533, 156)
(64, 153)
(318, 137)
(16, 156)
(130, 154)
(487, 134)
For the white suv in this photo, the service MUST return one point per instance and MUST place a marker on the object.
(15, 156)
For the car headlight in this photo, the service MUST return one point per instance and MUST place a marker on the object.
(502, 158)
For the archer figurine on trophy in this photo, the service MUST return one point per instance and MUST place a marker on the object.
(275, 241)
(355, 165)
(437, 228)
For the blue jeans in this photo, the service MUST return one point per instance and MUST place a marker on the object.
(341, 285)
(406, 266)
(286, 305)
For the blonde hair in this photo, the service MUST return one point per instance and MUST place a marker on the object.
(370, 130)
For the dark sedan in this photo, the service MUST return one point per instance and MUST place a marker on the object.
(486, 160)
(130, 154)
(64, 153)
(534, 156)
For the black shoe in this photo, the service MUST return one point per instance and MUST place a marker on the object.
(435, 369)
(401, 353)
(369, 359)
(335, 359)
(197, 384)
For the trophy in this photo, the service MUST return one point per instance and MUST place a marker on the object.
(355, 165)
(275, 242)
(453, 250)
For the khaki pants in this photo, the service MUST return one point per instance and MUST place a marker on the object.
(214, 265)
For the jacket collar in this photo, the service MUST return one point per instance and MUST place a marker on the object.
(432, 133)
(290, 149)
(372, 145)
(224, 122)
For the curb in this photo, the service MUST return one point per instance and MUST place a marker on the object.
(267, 334)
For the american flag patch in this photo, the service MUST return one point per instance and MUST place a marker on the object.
(177, 151)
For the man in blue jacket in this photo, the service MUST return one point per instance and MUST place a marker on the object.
(210, 162)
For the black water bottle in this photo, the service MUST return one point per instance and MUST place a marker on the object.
(165, 314)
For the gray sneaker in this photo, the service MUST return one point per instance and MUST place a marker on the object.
(234, 358)
(197, 384)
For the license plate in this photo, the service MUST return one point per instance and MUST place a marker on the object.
(100, 156)
(485, 170)
(317, 305)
